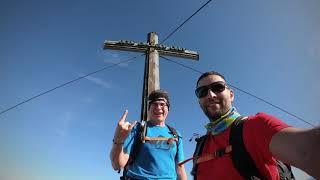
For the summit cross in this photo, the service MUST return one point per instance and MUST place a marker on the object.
(151, 70)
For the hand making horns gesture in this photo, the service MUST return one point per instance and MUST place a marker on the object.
(123, 128)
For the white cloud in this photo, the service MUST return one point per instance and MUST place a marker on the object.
(114, 55)
(117, 61)
(98, 82)
(88, 100)
(313, 46)
(66, 121)
(314, 52)
(114, 58)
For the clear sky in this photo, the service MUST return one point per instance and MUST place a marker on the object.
(268, 48)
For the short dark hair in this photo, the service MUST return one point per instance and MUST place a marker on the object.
(158, 94)
(208, 74)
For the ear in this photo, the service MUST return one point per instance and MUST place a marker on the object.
(231, 95)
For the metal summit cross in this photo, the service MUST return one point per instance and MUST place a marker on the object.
(151, 70)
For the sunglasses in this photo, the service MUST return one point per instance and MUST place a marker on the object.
(216, 87)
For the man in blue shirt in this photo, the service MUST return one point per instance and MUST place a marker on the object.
(158, 157)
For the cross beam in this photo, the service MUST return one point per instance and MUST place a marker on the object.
(143, 47)
(151, 70)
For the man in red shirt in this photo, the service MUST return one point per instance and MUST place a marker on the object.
(265, 137)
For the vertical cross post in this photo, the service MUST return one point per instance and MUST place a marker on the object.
(151, 74)
(151, 69)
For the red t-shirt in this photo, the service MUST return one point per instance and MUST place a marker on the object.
(257, 133)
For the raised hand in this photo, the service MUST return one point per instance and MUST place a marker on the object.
(123, 128)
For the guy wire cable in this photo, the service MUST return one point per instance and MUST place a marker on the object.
(74, 80)
(185, 22)
(250, 94)
(69, 82)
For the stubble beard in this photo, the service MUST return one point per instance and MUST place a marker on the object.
(212, 116)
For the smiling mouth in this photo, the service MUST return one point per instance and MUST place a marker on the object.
(212, 103)
(157, 114)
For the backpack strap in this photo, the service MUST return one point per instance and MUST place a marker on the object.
(285, 171)
(138, 143)
(199, 148)
(173, 131)
(239, 155)
(135, 148)
(241, 159)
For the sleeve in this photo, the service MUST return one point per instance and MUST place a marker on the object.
(180, 153)
(259, 130)
(129, 141)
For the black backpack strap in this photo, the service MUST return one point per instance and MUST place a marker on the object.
(198, 151)
(173, 131)
(285, 171)
(241, 159)
(138, 143)
(135, 148)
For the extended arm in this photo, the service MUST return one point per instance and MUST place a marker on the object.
(181, 172)
(117, 155)
(298, 147)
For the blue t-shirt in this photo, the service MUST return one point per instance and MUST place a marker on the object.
(156, 159)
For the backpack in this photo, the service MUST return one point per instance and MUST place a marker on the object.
(240, 157)
(138, 143)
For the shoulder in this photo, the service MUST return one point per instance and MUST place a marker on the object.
(200, 140)
(259, 129)
(265, 121)
(173, 130)
(137, 126)
(136, 129)
(262, 116)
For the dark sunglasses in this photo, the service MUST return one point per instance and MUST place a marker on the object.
(216, 87)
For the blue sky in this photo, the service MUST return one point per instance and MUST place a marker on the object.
(268, 48)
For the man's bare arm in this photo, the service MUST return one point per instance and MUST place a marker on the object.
(298, 147)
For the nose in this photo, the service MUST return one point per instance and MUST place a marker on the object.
(158, 106)
(211, 94)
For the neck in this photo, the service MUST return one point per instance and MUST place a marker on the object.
(156, 122)
(222, 123)
(218, 119)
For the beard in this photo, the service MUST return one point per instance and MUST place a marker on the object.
(214, 114)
